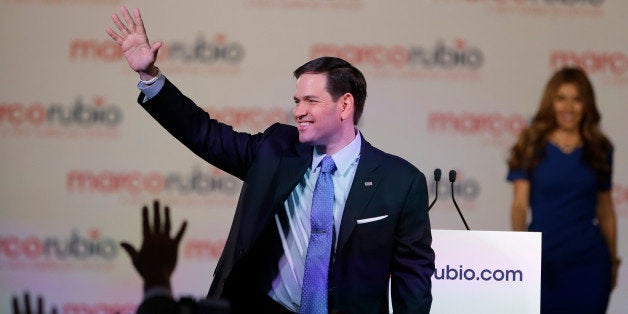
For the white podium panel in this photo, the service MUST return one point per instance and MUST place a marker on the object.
(486, 272)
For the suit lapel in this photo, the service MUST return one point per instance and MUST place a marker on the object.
(367, 177)
(365, 182)
(291, 170)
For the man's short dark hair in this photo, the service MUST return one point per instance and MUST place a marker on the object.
(342, 78)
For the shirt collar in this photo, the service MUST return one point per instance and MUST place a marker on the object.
(343, 158)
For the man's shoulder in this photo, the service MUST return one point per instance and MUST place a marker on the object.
(282, 132)
(390, 161)
(282, 128)
(280, 137)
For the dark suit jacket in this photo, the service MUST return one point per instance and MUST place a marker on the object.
(271, 164)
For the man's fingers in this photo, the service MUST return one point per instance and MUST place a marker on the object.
(167, 220)
(121, 27)
(15, 305)
(145, 224)
(154, 48)
(111, 33)
(40, 304)
(138, 18)
(127, 17)
(27, 303)
(180, 233)
(114, 35)
(156, 218)
(129, 250)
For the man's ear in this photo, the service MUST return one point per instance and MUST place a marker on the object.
(346, 106)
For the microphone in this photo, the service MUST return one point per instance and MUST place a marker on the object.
(437, 174)
(452, 179)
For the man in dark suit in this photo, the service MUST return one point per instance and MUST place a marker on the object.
(381, 229)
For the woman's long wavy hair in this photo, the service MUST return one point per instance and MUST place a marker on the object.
(530, 146)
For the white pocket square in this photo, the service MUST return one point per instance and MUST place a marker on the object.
(367, 220)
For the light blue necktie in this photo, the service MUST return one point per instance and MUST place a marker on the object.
(315, 285)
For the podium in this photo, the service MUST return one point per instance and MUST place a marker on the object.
(486, 272)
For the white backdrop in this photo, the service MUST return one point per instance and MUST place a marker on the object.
(451, 82)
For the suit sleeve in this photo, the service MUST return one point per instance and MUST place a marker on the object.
(215, 142)
(413, 263)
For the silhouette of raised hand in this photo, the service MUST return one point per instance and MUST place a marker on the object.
(157, 257)
(15, 301)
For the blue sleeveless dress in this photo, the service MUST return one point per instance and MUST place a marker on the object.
(575, 270)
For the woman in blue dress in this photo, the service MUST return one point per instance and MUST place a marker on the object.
(561, 168)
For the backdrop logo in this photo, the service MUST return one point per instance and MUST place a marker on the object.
(201, 249)
(196, 187)
(611, 65)
(550, 8)
(201, 55)
(254, 119)
(455, 60)
(98, 308)
(53, 252)
(557, 3)
(68, 2)
(493, 128)
(80, 118)
(82, 307)
(466, 191)
(305, 4)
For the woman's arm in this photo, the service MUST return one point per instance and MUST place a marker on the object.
(520, 204)
(608, 226)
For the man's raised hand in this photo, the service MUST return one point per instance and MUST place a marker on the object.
(131, 37)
